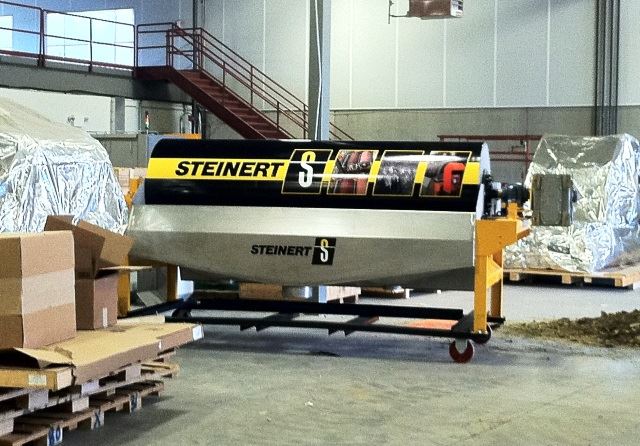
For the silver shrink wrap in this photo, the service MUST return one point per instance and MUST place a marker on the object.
(605, 231)
(48, 168)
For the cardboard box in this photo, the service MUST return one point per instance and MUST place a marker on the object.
(37, 296)
(99, 254)
(38, 329)
(95, 248)
(97, 302)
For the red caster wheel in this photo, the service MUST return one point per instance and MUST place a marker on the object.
(463, 356)
(484, 338)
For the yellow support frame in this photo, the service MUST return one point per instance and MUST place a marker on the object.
(492, 236)
(124, 281)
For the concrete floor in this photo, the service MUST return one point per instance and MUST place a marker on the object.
(292, 387)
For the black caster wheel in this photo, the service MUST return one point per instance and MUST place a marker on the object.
(484, 338)
(464, 356)
(181, 313)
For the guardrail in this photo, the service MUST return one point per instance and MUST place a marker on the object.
(158, 44)
(197, 49)
(46, 40)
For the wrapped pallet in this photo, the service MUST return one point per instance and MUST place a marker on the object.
(48, 168)
(605, 231)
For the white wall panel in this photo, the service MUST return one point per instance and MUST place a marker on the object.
(341, 53)
(469, 56)
(58, 107)
(214, 18)
(629, 93)
(243, 30)
(186, 12)
(373, 56)
(153, 12)
(286, 46)
(244, 33)
(413, 63)
(572, 52)
(521, 75)
(420, 63)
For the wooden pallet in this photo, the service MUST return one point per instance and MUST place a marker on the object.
(623, 277)
(47, 427)
(54, 378)
(262, 291)
(394, 293)
(29, 416)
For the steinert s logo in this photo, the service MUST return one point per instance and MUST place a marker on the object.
(306, 178)
(323, 251)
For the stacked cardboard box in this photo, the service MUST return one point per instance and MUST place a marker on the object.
(126, 174)
(36, 289)
(99, 256)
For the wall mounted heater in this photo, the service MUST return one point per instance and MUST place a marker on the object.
(431, 9)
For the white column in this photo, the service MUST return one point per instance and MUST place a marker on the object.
(319, 69)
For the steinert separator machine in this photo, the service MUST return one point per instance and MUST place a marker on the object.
(420, 215)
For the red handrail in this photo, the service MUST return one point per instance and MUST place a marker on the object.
(173, 51)
(203, 48)
(42, 55)
(524, 156)
(269, 95)
(244, 75)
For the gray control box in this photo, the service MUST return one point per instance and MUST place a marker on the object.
(552, 198)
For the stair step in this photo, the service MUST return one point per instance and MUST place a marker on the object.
(258, 123)
(237, 110)
(218, 97)
(202, 81)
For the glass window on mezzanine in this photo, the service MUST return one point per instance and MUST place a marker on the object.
(108, 38)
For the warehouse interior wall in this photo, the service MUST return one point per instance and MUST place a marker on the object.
(94, 113)
(146, 11)
(481, 60)
(509, 66)
(480, 74)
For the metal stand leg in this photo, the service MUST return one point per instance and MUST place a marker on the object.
(496, 290)
(480, 294)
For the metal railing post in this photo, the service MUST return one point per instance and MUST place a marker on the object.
(174, 48)
(251, 83)
(305, 123)
(90, 44)
(41, 56)
(224, 82)
(168, 61)
(201, 48)
(136, 30)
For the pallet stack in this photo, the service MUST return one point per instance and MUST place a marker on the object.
(322, 294)
(620, 277)
(37, 404)
(65, 360)
(392, 292)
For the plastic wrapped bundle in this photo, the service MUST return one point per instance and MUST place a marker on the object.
(605, 230)
(48, 168)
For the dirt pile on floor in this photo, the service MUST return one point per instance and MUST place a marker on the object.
(608, 330)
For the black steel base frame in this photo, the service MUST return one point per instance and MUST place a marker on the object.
(286, 313)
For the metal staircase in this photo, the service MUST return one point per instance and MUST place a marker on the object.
(222, 81)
